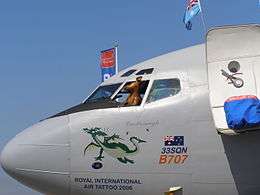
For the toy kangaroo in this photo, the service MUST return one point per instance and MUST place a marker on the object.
(134, 98)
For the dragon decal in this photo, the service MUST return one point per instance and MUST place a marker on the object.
(112, 146)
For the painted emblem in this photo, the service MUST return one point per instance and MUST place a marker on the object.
(97, 165)
(112, 146)
(173, 151)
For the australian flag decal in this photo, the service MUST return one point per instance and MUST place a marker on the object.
(173, 140)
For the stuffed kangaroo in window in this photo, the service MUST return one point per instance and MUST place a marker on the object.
(134, 98)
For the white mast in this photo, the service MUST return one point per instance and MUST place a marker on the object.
(116, 46)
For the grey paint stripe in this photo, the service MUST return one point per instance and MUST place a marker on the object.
(43, 171)
(131, 173)
(48, 145)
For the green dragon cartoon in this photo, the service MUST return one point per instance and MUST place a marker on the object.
(111, 145)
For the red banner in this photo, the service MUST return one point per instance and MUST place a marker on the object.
(108, 58)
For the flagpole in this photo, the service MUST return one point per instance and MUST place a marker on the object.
(116, 47)
(203, 19)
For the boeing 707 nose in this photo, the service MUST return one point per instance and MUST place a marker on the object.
(39, 156)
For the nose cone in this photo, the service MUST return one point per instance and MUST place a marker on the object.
(39, 156)
(8, 160)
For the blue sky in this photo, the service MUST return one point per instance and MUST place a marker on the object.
(49, 50)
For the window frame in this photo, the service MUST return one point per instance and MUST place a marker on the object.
(164, 77)
(151, 80)
(132, 71)
(155, 80)
(145, 94)
(142, 72)
(103, 86)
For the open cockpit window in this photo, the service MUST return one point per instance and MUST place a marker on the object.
(163, 88)
(103, 92)
(132, 93)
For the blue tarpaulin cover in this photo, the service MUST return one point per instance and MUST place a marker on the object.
(242, 112)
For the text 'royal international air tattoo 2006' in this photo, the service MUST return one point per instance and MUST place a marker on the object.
(183, 123)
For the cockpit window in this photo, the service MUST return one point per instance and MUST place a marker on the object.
(128, 73)
(103, 92)
(132, 93)
(145, 71)
(163, 88)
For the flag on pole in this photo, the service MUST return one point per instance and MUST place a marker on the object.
(193, 8)
(108, 63)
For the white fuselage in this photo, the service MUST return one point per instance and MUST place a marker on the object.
(182, 146)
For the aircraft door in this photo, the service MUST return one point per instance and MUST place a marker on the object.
(232, 67)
